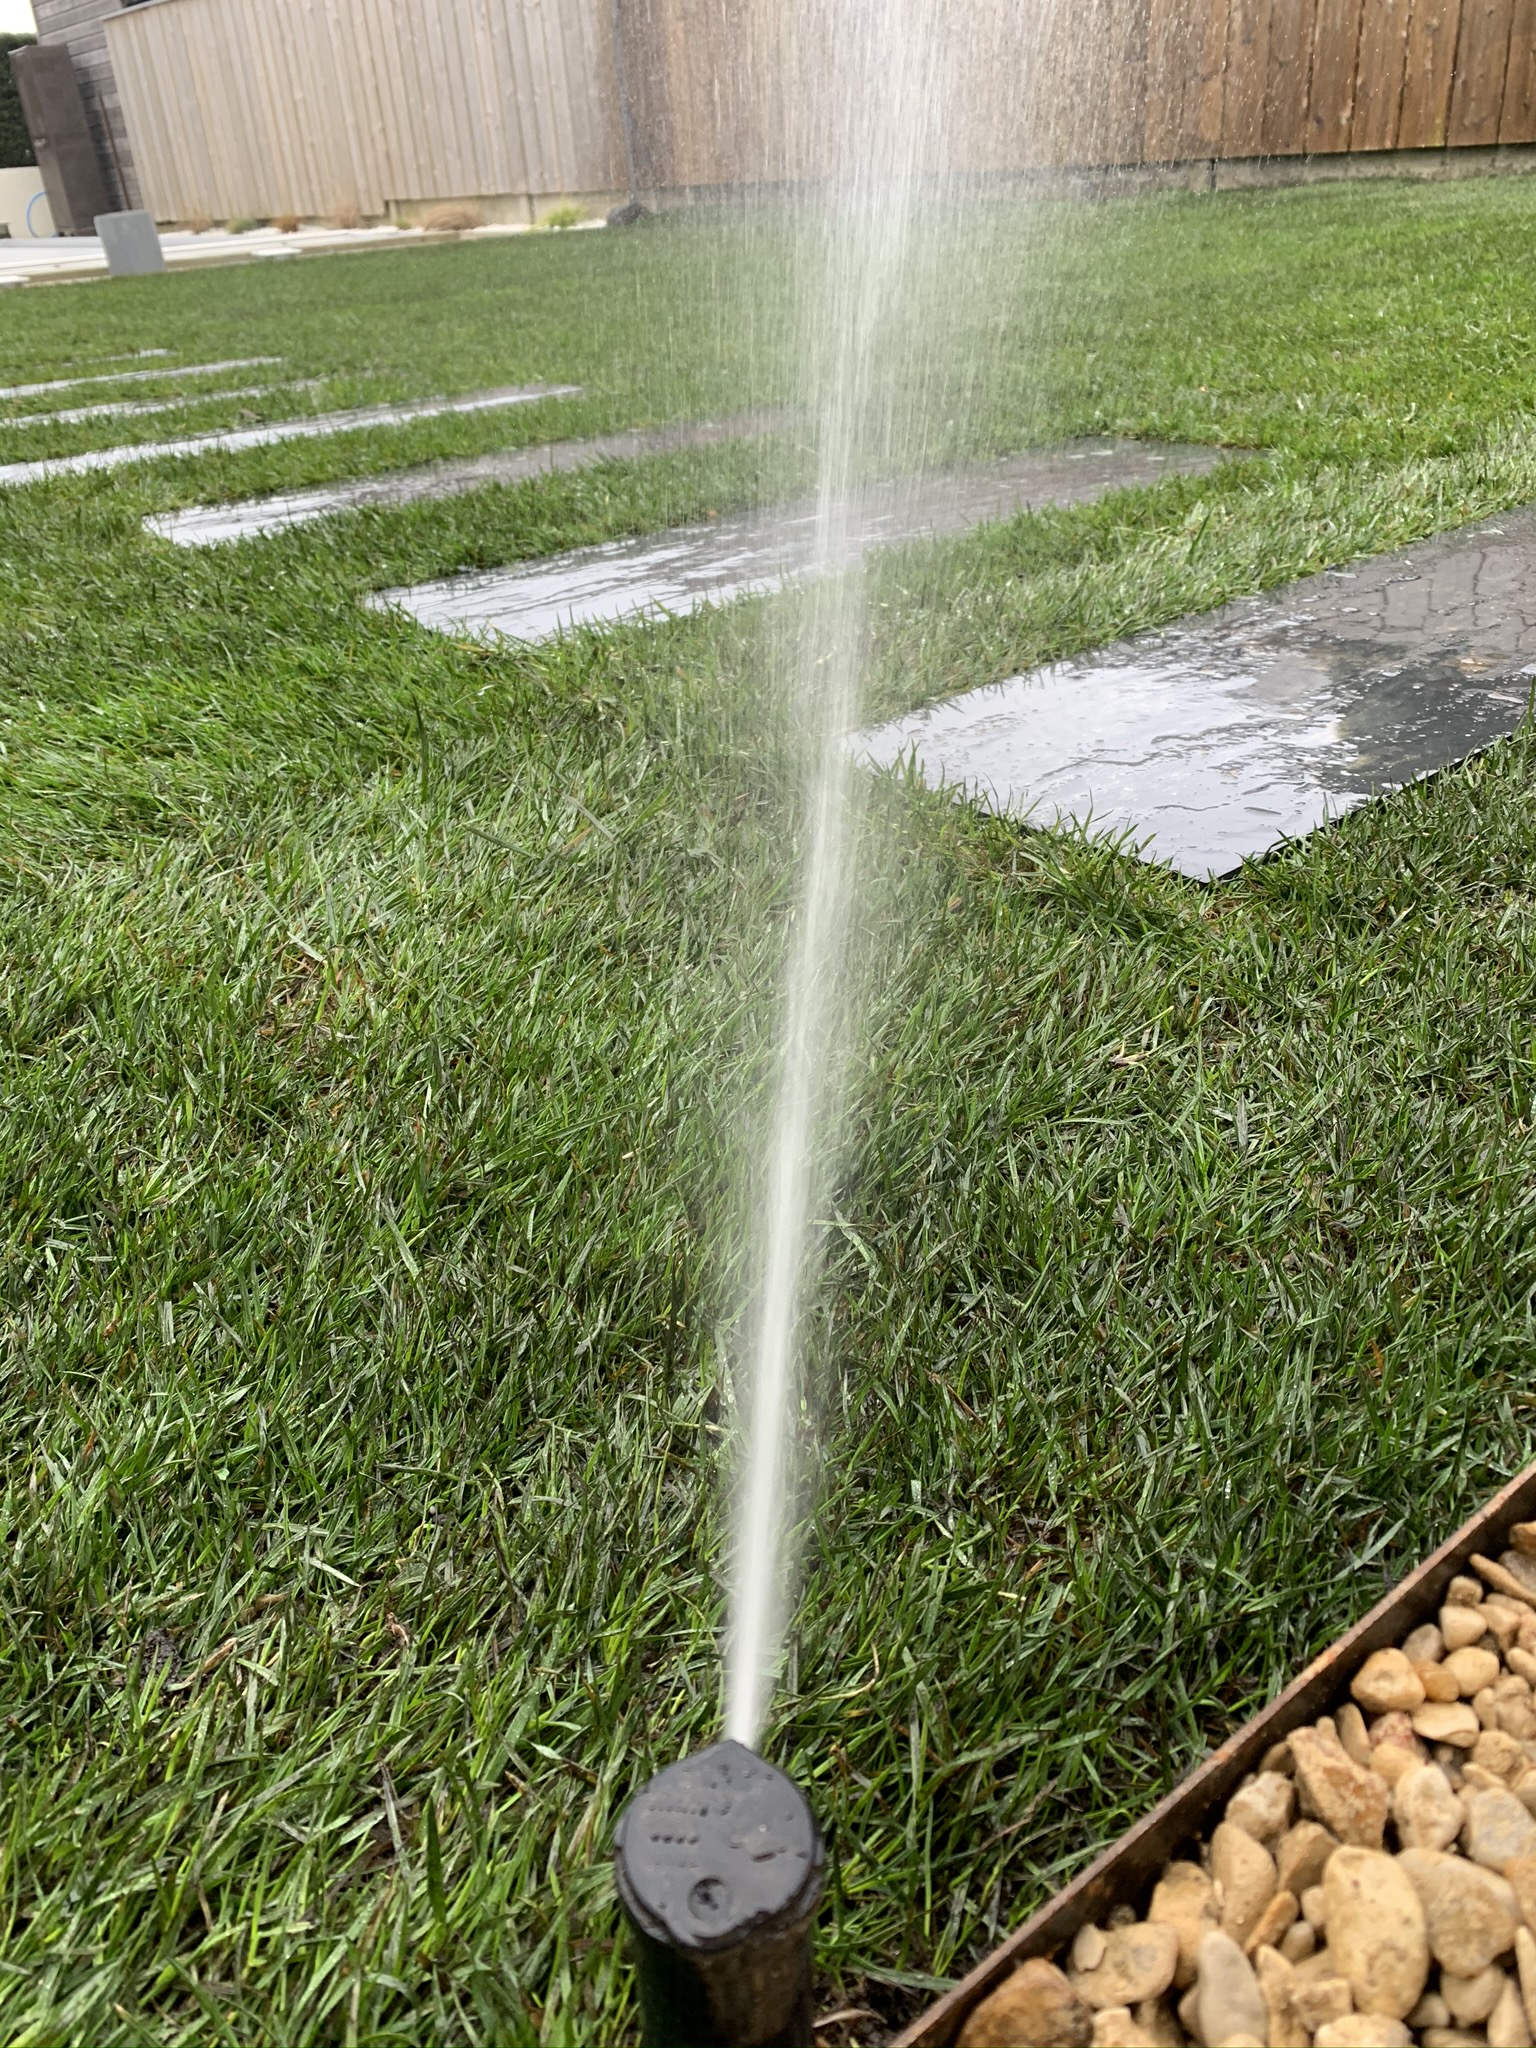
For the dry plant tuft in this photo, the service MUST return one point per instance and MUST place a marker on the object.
(287, 223)
(346, 213)
(453, 219)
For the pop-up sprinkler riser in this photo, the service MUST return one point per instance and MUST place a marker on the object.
(719, 1866)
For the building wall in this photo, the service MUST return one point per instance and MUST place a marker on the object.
(271, 107)
(81, 24)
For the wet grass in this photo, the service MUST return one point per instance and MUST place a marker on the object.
(382, 1022)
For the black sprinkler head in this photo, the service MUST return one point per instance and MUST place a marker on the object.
(719, 1867)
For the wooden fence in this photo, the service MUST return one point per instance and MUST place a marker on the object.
(266, 107)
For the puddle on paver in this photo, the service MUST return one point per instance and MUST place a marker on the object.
(167, 370)
(142, 408)
(201, 526)
(1218, 739)
(668, 574)
(312, 426)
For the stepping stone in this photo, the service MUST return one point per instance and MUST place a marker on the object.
(1221, 738)
(276, 431)
(201, 526)
(668, 574)
(139, 376)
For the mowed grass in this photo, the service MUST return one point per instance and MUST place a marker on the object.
(386, 1021)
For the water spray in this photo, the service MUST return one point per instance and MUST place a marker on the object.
(719, 1866)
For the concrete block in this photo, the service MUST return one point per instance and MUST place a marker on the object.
(130, 243)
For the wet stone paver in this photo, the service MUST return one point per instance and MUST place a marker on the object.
(202, 526)
(1219, 738)
(669, 574)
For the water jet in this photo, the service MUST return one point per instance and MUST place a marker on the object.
(719, 1864)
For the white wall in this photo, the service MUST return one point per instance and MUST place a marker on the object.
(17, 190)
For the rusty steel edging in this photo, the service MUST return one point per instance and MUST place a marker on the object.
(1128, 1867)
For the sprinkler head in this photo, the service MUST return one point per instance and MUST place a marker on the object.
(719, 1867)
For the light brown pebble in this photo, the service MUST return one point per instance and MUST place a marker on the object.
(1428, 1813)
(1274, 1923)
(1277, 1986)
(1189, 2012)
(1438, 1682)
(1507, 2025)
(1364, 2030)
(1320, 2000)
(1522, 1663)
(1263, 1808)
(1392, 1763)
(1463, 1592)
(1503, 1617)
(1425, 1645)
(1469, 1912)
(1302, 1856)
(1314, 1907)
(1138, 1962)
(1395, 1731)
(1461, 1627)
(1156, 2020)
(1116, 2028)
(1088, 1945)
(1347, 1797)
(1450, 1721)
(1277, 1758)
(1472, 1669)
(1450, 2037)
(1500, 1753)
(1035, 2008)
(1353, 1739)
(1184, 1900)
(1525, 1964)
(1245, 1871)
(1230, 2002)
(1520, 1876)
(1521, 1569)
(1502, 1579)
(1431, 2011)
(1522, 1537)
(1376, 1931)
(1299, 1942)
(1485, 1705)
(1469, 2000)
(1497, 1828)
(1387, 1683)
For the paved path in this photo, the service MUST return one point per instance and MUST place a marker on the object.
(1220, 738)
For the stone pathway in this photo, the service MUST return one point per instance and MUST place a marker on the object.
(1220, 738)
(665, 575)
(201, 526)
(268, 436)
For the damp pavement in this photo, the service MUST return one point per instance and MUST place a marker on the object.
(201, 526)
(669, 574)
(311, 426)
(1221, 738)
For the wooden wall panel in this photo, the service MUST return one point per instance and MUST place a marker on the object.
(1247, 76)
(1289, 77)
(1428, 66)
(1482, 59)
(265, 107)
(1335, 64)
(1379, 76)
(1517, 122)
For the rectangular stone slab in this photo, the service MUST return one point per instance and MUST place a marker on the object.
(1218, 739)
(669, 574)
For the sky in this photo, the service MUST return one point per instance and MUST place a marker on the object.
(16, 18)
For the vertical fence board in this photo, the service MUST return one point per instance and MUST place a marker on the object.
(1335, 65)
(1242, 123)
(1482, 60)
(1427, 67)
(1289, 77)
(1517, 122)
(1379, 79)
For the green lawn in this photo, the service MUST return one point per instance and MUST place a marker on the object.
(384, 1020)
